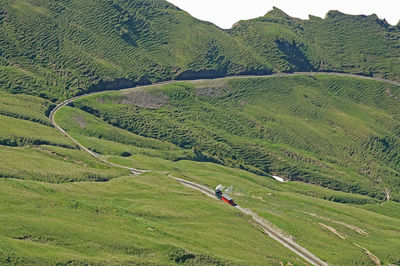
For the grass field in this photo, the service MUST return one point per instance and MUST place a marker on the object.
(31, 149)
(126, 221)
(25, 107)
(298, 209)
(58, 49)
(338, 42)
(338, 132)
(338, 227)
(135, 219)
(52, 213)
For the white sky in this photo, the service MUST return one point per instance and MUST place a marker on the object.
(225, 13)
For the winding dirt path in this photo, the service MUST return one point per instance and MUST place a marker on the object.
(287, 242)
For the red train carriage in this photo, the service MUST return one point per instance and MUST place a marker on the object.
(227, 199)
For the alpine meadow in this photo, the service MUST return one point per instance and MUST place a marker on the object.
(119, 118)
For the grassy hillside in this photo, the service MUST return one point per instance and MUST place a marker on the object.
(31, 149)
(333, 225)
(126, 221)
(335, 138)
(135, 219)
(339, 132)
(339, 43)
(55, 49)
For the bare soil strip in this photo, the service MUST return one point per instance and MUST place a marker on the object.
(373, 258)
(333, 230)
(352, 227)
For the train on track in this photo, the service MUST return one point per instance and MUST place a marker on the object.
(223, 197)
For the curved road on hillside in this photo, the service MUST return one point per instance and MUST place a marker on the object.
(287, 242)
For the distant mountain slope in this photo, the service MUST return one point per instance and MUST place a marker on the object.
(55, 49)
(340, 42)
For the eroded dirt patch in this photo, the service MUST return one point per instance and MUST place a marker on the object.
(333, 230)
(351, 227)
(81, 121)
(145, 99)
(371, 256)
(213, 91)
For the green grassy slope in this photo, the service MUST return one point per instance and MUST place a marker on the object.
(25, 107)
(31, 149)
(149, 219)
(304, 215)
(302, 210)
(56, 49)
(124, 221)
(59, 205)
(63, 48)
(135, 219)
(339, 42)
(338, 132)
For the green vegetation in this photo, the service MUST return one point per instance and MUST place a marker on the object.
(31, 149)
(339, 43)
(24, 121)
(53, 165)
(149, 219)
(135, 219)
(304, 216)
(16, 132)
(335, 138)
(56, 49)
(339, 132)
(25, 107)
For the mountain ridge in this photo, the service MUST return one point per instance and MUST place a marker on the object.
(60, 49)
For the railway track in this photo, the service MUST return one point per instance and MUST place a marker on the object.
(97, 156)
(287, 242)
